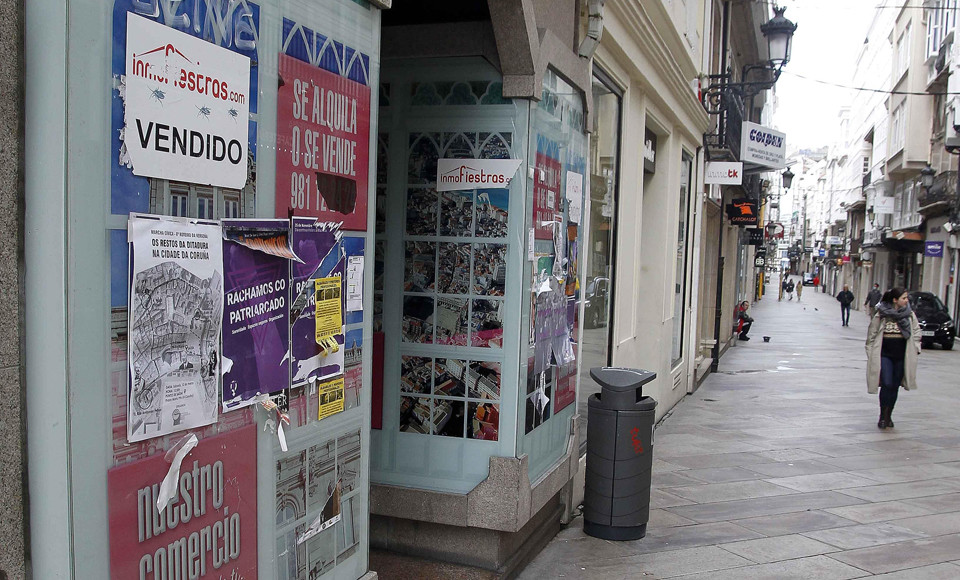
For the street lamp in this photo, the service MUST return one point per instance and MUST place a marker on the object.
(787, 178)
(926, 177)
(778, 31)
(779, 34)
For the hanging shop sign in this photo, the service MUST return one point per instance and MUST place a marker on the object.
(742, 212)
(754, 236)
(760, 261)
(882, 205)
(834, 241)
(176, 310)
(459, 174)
(206, 528)
(323, 145)
(763, 146)
(186, 104)
(649, 152)
(933, 249)
(723, 173)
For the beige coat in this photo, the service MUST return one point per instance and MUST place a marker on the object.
(874, 342)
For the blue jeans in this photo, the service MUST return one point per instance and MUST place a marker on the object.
(891, 375)
(845, 314)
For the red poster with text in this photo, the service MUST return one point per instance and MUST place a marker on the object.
(208, 530)
(546, 195)
(323, 145)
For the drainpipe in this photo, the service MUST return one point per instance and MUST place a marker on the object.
(715, 351)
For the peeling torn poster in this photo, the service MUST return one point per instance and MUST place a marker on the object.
(256, 326)
(318, 246)
(329, 516)
(551, 335)
(176, 311)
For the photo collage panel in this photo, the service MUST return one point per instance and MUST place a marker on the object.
(450, 397)
(454, 273)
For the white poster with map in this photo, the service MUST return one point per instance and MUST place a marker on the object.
(176, 310)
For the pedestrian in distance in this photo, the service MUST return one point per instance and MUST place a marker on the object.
(744, 321)
(873, 297)
(816, 282)
(893, 345)
(845, 298)
(789, 289)
(783, 287)
(799, 290)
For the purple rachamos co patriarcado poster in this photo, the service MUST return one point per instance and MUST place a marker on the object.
(256, 323)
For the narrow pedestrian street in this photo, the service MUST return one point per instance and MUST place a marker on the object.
(775, 467)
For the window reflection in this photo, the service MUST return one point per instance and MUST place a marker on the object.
(596, 291)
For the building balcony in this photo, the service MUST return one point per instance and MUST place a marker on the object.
(940, 197)
(855, 245)
(724, 144)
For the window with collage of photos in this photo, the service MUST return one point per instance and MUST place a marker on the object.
(455, 264)
(450, 397)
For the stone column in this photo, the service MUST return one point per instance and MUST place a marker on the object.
(13, 474)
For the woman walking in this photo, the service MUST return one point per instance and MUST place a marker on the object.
(893, 345)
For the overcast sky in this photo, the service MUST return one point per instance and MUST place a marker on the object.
(829, 36)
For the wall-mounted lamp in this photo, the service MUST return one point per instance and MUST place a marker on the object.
(778, 32)
(926, 177)
(787, 178)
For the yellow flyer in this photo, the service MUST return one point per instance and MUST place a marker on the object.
(330, 394)
(329, 313)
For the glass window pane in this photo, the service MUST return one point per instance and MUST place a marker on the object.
(680, 283)
(595, 293)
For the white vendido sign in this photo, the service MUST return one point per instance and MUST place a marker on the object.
(455, 174)
(723, 173)
(186, 106)
(763, 146)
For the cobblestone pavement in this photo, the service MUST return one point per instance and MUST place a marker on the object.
(775, 467)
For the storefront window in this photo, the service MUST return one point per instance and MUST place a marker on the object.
(447, 273)
(296, 498)
(680, 283)
(597, 290)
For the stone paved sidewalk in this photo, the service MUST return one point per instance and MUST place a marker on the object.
(775, 467)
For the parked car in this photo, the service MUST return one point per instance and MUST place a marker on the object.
(596, 298)
(807, 279)
(936, 326)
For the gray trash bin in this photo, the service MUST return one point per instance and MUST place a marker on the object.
(616, 504)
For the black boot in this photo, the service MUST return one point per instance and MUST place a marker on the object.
(890, 417)
(882, 423)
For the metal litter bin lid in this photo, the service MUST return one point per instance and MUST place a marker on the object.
(620, 379)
